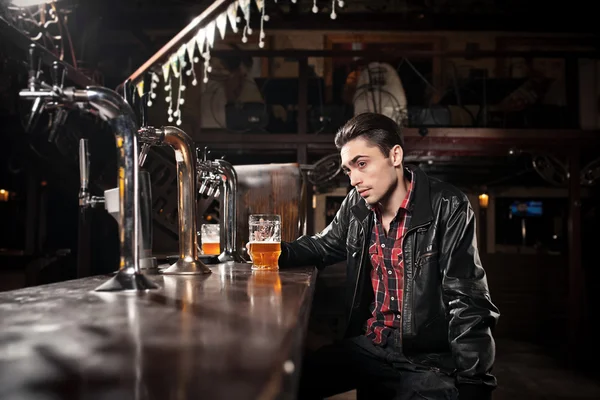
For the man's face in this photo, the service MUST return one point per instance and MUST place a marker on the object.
(372, 174)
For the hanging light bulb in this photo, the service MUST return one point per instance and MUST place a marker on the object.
(154, 79)
(483, 200)
(169, 99)
(263, 18)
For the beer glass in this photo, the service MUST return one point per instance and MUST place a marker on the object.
(264, 241)
(210, 235)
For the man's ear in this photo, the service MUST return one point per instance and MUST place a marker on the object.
(396, 155)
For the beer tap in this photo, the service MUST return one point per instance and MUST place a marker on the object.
(61, 113)
(86, 200)
(111, 202)
(213, 175)
(202, 187)
(86, 203)
(144, 153)
(188, 262)
(32, 84)
(211, 188)
(111, 107)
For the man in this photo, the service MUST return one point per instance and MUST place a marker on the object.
(419, 313)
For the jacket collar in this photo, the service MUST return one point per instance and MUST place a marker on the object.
(421, 214)
(420, 206)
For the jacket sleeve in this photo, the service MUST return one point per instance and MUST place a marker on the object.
(322, 249)
(472, 313)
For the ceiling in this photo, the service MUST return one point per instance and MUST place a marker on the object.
(116, 36)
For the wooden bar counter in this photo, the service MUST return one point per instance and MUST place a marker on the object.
(233, 334)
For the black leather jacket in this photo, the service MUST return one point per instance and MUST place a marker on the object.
(448, 315)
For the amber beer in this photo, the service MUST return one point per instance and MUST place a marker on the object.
(210, 237)
(265, 255)
(211, 248)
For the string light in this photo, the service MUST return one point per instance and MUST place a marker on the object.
(207, 67)
(247, 30)
(153, 85)
(263, 19)
(204, 40)
(191, 47)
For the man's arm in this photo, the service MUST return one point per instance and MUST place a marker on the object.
(322, 249)
(473, 315)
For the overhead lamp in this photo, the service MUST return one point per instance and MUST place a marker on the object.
(483, 200)
(4, 195)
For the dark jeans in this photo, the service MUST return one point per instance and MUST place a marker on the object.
(381, 373)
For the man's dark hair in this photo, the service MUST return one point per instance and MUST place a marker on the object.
(377, 129)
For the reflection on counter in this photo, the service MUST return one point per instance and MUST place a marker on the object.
(264, 290)
(223, 335)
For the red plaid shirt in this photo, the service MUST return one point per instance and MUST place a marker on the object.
(387, 274)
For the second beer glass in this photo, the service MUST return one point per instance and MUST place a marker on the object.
(210, 236)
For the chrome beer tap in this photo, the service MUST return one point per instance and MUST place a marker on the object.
(188, 262)
(212, 175)
(85, 197)
(111, 107)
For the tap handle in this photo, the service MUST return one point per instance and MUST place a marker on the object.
(211, 188)
(58, 73)
(60, 116)
(202, 188)
(143, 154)
(206, 153)
(84, 164)
(33, 66)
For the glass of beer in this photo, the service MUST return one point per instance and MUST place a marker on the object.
(211, 239)
(264, 241)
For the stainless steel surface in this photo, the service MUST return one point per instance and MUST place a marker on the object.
(232, 334)
(213, 174)
(85, 197)
(230, 251)
(182, 144)
(121, 118)
(84, 171)
(35, 94)
(147, 261)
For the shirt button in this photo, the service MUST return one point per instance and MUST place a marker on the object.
(398, 316)
(393, 298)
(383, 245)
(389, 272)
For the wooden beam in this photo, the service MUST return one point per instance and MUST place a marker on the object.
(452, 142)
(434, 22)
(545, 136)
(300, 53)
(369, 21)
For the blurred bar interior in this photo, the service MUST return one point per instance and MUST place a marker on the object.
(501, 99)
